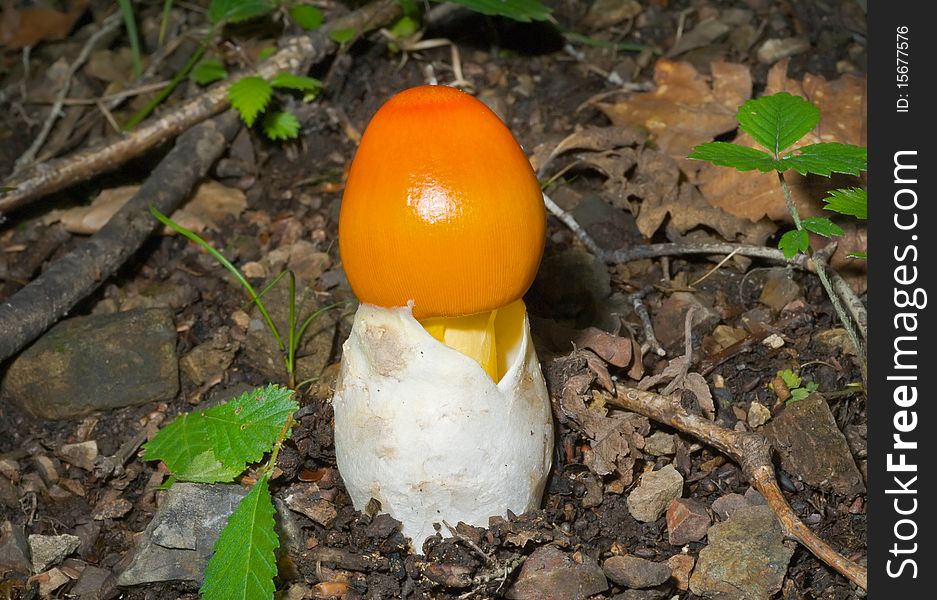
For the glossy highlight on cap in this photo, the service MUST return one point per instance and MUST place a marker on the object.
(441, 208)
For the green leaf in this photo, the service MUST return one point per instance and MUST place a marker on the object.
(519, 10)
(826, 158)
(186, 449)
(244, 561)
(742, 158)
(848, 201)
(235, 11)
(300, 83)
(404, 27)
(822, 226)
(798, 395)
(281, 125)
(859, 255)
(217, 444)
(250, 96)
(208, 71)
(266, 53)
(794, 242)
(777, 121)
(307, 17)
(342, 36)
(790, 378)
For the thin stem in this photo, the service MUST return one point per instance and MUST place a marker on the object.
(281, 437)
(820, 268)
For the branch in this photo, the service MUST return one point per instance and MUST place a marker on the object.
(58, 174)
(73, 277)
(752, 452)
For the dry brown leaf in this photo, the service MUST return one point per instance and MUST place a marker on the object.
(206, 209)
(27, 27)
(685, 110)
(595, 139)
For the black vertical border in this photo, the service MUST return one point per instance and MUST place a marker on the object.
(893, 255)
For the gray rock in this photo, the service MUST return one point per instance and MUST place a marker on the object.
(641, 595)
(179, 540)
(746, 558)
(660, 444)
(635, 572)
(648, 501)
(779, 289)
(725, 506)
(812, 447)
(687, 521)
(551, 574)
(50, 550)
(14, 550)
(100, 362)
(95, 584)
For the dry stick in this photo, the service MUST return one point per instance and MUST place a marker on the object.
(110, 24)
(60, 173)
(752, 452)
(73, 277)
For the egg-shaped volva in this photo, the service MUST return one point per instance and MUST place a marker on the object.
(425, 431)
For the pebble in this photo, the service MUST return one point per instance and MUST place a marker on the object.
(725, 506)
(551, 574)
(687, 521)
(634, 572)
(49, 550)
(681, 565)
(660, 444)
(649, 499)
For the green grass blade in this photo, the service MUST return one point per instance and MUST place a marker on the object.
(164, 21)
(226, 264)
(126, 9)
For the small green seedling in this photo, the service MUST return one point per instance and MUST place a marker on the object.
(796, 385)
(291, 343)
(216, 445)
(251, 96)
(776, 123)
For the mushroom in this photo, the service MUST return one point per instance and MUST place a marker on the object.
(441, 410)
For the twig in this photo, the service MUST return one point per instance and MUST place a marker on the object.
(70, 279)
(714, 269)
(297, 51)
(650, 339)
(110, 24)
(574, 226)
(752, 452)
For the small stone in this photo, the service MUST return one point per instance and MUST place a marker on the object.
(607, 13)
(305, 499)
(754, 497)
(725, 335)
(101, 362)
(9, 497)
(50, 581)
(81, 455)
(758, 415)
(649, 499)
(46, 468)
(14, 549)
(551, 574)
(775, 49)
(635, 572)
(746, 558)
(812, 447)
(95, 584)
(206, 362)
(681, 565)
(773, 341)
(307, 262)
(726, 506)
(779, 289)
(111, 508)
(687, 521)
(652, 594)
(660, 444)
(49, 550)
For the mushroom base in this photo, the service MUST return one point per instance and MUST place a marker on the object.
(425, 431)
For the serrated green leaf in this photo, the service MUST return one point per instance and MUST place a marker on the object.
(794, 242)
(822, 226)
(742, 158)
(243, 429)
(343, 36)
(300, 83)
(235, 11)
(185, 447)
(217, 444)
(281, 125)
(208, 71)
(519, 10)
(307, 17)
(250, 96)
(777, 121)
(848, 201)
(790, 378)
(243, 564)
(827, 158)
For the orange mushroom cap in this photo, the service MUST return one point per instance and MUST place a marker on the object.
(441, 207)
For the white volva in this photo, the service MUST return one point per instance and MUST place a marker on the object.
(423, 429)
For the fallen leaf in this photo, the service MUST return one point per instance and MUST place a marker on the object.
(29, 26)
